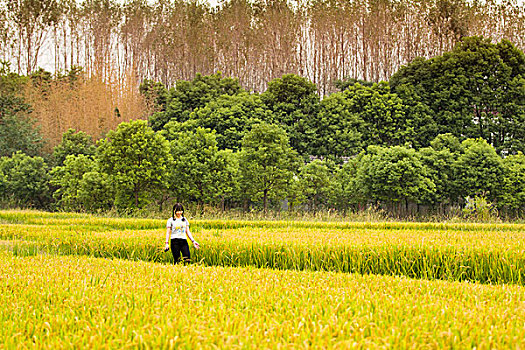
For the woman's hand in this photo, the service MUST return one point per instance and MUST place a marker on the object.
(166, 247)
(196, 245)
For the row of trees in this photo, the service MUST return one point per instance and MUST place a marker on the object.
(414, 139)
(256, 41)
(136, 166)
(475, 91)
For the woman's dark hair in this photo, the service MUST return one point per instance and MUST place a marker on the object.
(177, 207)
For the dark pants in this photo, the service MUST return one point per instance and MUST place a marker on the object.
(179, 245)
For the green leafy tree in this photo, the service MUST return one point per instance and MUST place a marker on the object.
(187, 96)
(418, 115)
(96, 192)
(226, 168)
(67, 179)
(137, 159)
(479, 170)
(346, 191)
(3, 182)
(314, 183)
(17, 128)
(231, 116)
(395, 174)
(512, 196)
(26, 180)
(447, 141)
(173, 129)
(337, 129)
(10, 83)
(73, 143)
(357, 117)
(476, 90)
(267, 163)
(440, 170)
(201, 172)
(383, 114)
(439, 160)
(343, 84)
(294, 102)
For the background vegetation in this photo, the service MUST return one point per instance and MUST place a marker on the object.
(256, 41)
(442, 135)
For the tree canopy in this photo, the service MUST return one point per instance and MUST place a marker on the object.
(266, 162)
(73, 143)
(187, 96)
(137, 158)
(231, 116)
(294, 102)
(475, 90)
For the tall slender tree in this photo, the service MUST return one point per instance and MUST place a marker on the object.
(31, 20)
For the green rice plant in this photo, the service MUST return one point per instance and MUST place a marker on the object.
(101, 223)
(483, 255)
(488, 266)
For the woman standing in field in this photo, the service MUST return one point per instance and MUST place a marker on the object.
(179, 228)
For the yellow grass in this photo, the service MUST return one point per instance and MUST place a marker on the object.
(80, 302)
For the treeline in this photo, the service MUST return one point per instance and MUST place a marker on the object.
(135, 167)
(476, 90)
(256, 41)
(440, 131)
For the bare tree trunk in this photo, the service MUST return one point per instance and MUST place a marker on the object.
(265, 199)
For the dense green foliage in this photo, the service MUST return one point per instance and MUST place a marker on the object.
(478, 169)
(442, 132)
(313, 184)
(25, 180)
(394, 174)
(266, 163)
(476, 90)
(512, 194)
(231, 116)
(200, 172)
(73, 143)
(136, 158)
(17, 129)
(178, 103)
(68, 178)
(294, 102)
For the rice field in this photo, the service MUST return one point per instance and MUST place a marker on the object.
(79, 302)
(75, 281)
(485, 253)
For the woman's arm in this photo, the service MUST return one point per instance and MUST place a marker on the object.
(188, 233)
(167, 245)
